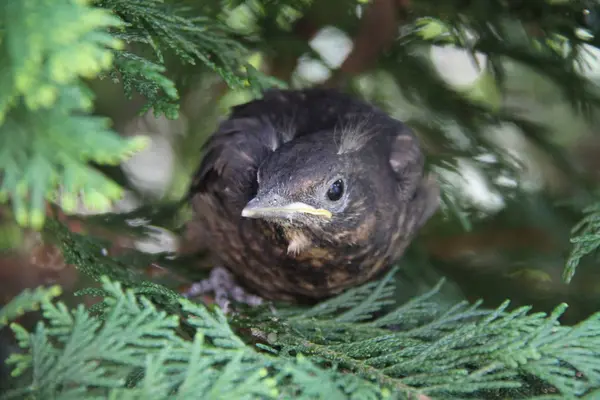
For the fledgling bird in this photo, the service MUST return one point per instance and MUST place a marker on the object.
(305, 193)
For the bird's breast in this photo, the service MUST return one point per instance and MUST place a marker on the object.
(291, 264)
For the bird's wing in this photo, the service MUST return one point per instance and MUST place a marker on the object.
(231, 157)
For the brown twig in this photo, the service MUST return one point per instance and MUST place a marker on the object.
(376, 34)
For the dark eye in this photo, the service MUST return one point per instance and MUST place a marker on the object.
(336, 190)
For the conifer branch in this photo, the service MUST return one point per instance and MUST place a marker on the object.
(586, 240)
(136, 351)
(47, 136)
(171, 29)
(28, 300)
(415, 349)
(461, 350)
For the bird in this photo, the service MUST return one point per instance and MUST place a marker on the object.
(304, 193)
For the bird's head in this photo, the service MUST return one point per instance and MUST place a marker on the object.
(308, 184)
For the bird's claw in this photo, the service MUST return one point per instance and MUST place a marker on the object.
(225, 288)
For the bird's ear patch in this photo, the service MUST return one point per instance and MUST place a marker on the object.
(407, 161)
(405, 152)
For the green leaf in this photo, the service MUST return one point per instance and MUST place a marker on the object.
(46, 136)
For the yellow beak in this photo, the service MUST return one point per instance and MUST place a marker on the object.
(257, 211)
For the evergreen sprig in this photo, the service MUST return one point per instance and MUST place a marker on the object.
(47, 136)
(168, 28)
(135, 352)
(89, 255)
(28, 300)
(586, 239)
(146, 78)
(416, 349)
(447, 353)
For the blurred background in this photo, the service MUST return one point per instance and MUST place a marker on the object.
(518, 163)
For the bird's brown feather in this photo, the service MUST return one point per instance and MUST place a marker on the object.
(372, 233)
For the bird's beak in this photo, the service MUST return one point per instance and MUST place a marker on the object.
(275, 206)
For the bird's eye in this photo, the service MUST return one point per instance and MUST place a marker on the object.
(336, 190)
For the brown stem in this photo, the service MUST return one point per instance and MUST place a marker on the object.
(376, 34)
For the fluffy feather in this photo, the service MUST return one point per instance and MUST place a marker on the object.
(295, 144)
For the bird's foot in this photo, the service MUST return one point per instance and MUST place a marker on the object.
(224, 287)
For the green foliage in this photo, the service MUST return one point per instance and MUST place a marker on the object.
(27, 300)
(137, 351)
(89, 254)
(165, 27)
(503, 33)
(333, 350)
(148, 342)
(586, 239)
(145, 77)
(47, 136)
(457, 351)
